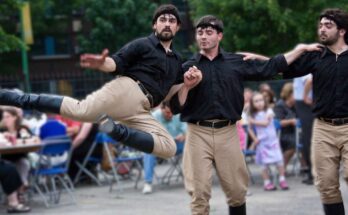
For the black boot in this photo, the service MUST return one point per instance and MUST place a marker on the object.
(334, 209)
(239, 210)
(128, 136)
(40, 102)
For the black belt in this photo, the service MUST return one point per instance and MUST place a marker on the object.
(213, 124)
(146, 93)
(335, 122)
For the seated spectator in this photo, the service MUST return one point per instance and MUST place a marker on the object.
(11, 182)
(72, 127)
(285, 112)
(81, 145)
(176, 128)
(14, 131)
(34, 120)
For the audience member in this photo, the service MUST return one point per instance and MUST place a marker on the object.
(176, 128)
(11, 182)
(268, 150)
(81, 146)
(16, 133)
(285, 112)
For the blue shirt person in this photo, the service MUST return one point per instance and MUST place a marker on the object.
(176, 129)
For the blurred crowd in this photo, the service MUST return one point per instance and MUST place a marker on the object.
(269, 129)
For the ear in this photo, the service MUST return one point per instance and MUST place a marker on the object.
(220, 36)
(178, 27)
(342, 32)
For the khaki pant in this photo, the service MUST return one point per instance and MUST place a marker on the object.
(329, 148)
(123, 101)
(207, 147)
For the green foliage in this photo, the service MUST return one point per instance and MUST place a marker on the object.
(8, 42)
(8, 39)
(115, 22)
(265, 26)
(53, 16)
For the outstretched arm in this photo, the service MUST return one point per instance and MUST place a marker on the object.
(98, 61)
(253, 56)
(292, 55)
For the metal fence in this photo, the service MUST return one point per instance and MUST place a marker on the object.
(77, 87)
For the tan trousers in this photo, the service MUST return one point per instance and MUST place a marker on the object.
(123, 101)
(206, 148)
(329, 148)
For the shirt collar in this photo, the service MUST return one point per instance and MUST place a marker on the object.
(156, 42)
(222, 53)
(327, 51)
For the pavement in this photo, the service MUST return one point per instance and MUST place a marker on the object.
(173, 200)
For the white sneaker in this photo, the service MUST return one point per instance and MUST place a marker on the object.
(147, 188)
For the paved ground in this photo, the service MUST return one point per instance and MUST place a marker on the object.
(173, 200)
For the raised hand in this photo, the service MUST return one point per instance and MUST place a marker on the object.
(192, 77)
(93, 61)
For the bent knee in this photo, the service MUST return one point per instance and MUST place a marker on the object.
(164, 148)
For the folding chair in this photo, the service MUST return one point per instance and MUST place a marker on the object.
(125, 157)
(174, 169)
(47, 173)
(129, 160)
(100, 139)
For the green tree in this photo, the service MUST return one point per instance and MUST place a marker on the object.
(8, 38)
(265, 26)
(115, 22)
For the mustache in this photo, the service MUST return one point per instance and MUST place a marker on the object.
(166, 29)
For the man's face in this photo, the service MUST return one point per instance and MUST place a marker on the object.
(207, 38)
(327, 32)
(167, 113)
(166, 27)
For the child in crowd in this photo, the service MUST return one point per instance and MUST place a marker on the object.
(265, 139)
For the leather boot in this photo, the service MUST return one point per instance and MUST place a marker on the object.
(334, 209)
(134, 138)
(239, 210)
(40, 102)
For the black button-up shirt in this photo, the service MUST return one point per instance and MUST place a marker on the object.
(146, 60)
(220, 93)
(330, 81)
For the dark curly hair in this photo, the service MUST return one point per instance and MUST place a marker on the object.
(339, 17)
(166, 9)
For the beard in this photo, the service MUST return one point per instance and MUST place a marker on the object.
(328, 41)
(165, 35)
